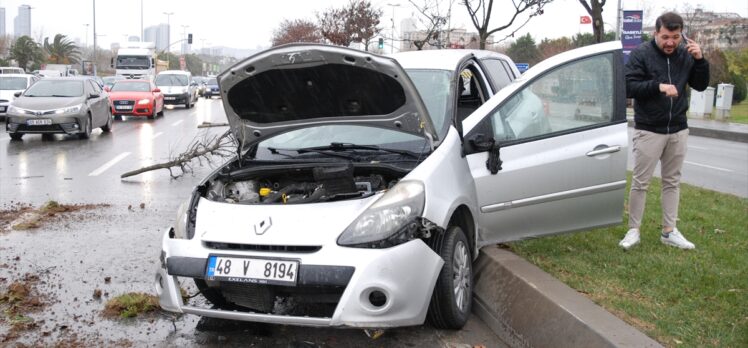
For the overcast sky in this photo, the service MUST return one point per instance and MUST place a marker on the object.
(250, 24)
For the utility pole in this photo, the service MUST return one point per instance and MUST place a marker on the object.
(392, 39)
(94, 33)
(619, 13)
(184, 37)
(168, 38)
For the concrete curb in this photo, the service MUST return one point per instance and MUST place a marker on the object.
(695, 129)
(526, 307)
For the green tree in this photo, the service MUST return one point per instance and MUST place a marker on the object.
(61, 50)
(25, 50)
(740, 90)
(524, 50)
(552, 47)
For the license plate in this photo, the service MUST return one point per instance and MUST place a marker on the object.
(123, 107)
(252, 270)
(170, 98)
(39, 122)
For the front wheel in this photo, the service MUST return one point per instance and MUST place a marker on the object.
(87, 130)
(108, 126)
(453, 292)
(16, 136)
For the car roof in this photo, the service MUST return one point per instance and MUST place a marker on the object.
(17, 75)
(177, 72)
(432, 59)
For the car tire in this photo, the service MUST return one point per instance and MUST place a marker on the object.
(16, 136)
(107, 128)
(453, 292)
(188, 104)
(161, 113)
(153, 112)
(87, 131)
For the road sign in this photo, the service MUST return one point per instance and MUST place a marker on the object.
(182, 63)
(522, 67)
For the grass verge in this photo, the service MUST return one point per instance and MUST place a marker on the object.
(131, 305)
(739, 112)
(683, 298)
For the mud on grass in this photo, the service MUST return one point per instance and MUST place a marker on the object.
(20, 216)
(130, 305)
(17, 300)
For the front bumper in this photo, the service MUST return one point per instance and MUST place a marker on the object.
(176, 99)
(405, 274)
(210, 92)
(57, 125)
(136, 110)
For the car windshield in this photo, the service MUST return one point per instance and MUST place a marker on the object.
(133, 62)
(322, 136)
(212, 82)
(125, 86)
(434, 88)
(171, 80)
(55, 88)
(10, 83)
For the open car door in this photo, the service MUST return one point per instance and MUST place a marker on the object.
(548, 152)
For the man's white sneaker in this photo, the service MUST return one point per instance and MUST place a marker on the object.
(631, 239)
(676, 239)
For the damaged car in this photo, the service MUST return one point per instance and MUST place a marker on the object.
(364, 186)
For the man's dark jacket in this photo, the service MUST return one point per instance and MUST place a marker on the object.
(646, 69)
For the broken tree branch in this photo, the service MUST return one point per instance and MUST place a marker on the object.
(222, 146)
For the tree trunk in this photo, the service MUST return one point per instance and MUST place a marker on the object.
(598, 26)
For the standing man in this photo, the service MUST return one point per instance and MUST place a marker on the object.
(656, 76)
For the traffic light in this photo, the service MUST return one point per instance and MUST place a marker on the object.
(381, 43)
(189, 39)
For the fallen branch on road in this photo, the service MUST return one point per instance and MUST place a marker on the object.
(206, 148)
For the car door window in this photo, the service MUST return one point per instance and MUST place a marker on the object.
(579, 94)
(471, 94)
(498, 73)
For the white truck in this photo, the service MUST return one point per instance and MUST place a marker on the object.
(136, 60)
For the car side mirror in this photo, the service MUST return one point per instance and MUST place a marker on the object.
(156, 90)
(93, 96)
(480, 142)
(17, 94)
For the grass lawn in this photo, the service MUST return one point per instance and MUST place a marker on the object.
(739, 112)
(681, 298)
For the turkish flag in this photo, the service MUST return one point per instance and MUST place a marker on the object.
(585, 20)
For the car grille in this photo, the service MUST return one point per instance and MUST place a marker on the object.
(124, 102)
(259, 247)
(45, 128)
(313, 301)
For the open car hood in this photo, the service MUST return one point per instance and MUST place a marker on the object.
(304, 85)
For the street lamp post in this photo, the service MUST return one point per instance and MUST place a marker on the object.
(168, 38)
(86, 25)
(94, 34)
(392, 39)
(184, 37)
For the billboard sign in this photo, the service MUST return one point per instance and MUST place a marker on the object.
(631, 35)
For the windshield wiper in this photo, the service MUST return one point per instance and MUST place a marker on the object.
(307, 150)
(61, 96)
(351, 146)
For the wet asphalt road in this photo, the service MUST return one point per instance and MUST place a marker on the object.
(74, 253)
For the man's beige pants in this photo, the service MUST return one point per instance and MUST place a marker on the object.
(648, 149)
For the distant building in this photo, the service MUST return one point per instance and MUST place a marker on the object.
(715, 30)
(2, 21)
(22, 22)
(158, 34)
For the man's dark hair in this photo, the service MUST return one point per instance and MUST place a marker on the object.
(670, 20)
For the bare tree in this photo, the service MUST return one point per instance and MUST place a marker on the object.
(364, 21)
(433, 19)
(206, 148)
(595, 10)
(357, 22)
(480, 13)
(334, 26)
(299, 30)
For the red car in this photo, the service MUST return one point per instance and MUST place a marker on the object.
(136, 98)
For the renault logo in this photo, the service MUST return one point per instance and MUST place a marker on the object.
(262, 226)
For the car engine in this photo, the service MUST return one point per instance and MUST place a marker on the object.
(296, 185)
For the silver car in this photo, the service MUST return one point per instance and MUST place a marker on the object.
(67, 105)
(361, 196)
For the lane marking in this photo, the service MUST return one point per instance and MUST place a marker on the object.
(109, 164)
(698, 147)
(177, 123)
(710, 167)
(157, 135)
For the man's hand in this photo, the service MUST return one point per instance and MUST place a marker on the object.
(669, 90)
(694, 49)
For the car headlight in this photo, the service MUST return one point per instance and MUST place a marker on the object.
(143, 101)
(12, 110)
(180, 225)
(68, 110)
(388, 216)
